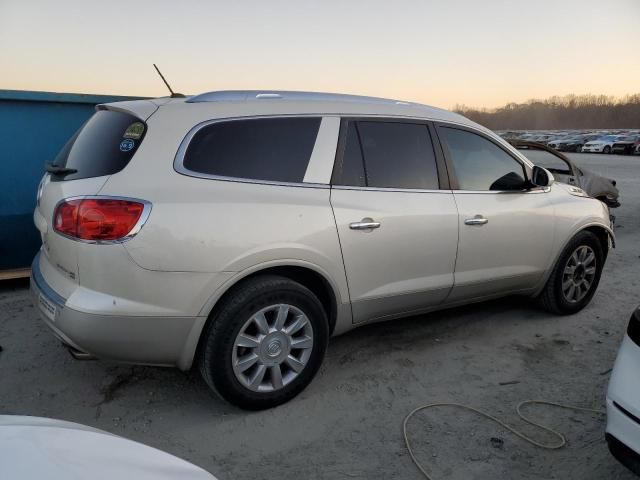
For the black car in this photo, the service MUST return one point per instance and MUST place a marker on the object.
(626, 145)
(573, 143)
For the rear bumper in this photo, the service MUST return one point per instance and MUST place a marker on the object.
(150, 340)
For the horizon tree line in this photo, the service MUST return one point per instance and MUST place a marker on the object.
(560, 112)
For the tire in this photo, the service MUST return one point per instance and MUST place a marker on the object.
(578, 148)
(556, 299)
(606, 150)
(245, 311)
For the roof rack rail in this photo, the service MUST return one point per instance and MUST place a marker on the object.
(246, 95)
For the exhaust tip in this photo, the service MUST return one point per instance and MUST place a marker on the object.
(79, 354)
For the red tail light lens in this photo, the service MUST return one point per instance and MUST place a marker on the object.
(97, 218)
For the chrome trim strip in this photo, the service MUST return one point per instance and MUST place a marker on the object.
(146, 212)
(178, 161)
(42, 286)
(390, 189)
(179, 167)
(503, 192)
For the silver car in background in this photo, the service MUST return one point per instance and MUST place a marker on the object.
(237, 231)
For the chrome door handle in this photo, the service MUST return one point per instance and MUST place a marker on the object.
(364, 224)
(477, 220)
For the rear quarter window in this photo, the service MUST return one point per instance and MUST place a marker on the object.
(270, 149)
(104, 145)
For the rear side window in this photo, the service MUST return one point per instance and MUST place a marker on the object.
(389, 155)
(104, 145)
(480, 164)
(271, 149)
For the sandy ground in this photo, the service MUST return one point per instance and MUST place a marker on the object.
(347, 424)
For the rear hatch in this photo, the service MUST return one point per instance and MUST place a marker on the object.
(103, 146)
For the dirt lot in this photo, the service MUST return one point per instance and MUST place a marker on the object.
(347, 424)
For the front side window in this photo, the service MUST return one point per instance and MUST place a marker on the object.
(271, 149)
(389, 155)
(480, 164)
(546, 159)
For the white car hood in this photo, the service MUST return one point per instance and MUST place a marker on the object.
(33, 448)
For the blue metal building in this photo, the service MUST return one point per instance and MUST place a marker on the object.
(33, 128)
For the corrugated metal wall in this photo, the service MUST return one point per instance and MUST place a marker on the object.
(33, 128)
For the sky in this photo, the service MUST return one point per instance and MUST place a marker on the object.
(480, 53)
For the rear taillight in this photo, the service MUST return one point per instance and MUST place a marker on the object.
(98, 219)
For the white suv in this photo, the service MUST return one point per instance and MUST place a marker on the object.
(239, 230)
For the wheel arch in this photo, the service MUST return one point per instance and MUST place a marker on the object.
(604, 234)
(309, 275)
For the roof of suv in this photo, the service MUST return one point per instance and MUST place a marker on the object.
(232, 103)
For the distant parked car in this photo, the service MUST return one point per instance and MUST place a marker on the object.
(565, 171)
(601, 145)
(623, 400)
(626, 145)
(543, 139)
(572, 143)
(33, 448)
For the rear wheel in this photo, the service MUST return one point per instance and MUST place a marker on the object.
(606, 150)
(265, 343)
(575, 277)
(578, 148)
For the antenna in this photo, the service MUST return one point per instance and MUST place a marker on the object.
(173, 95)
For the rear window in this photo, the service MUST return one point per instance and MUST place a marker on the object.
(388, 155)
(271, 149)
(104, 145)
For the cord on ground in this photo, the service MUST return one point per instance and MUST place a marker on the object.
(561, 443)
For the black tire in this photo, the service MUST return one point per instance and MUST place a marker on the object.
(606, 150)
(578, 149)
(217, 347)
(553, 298)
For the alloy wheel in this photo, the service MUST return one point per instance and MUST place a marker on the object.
(579, 274)
(272, 348)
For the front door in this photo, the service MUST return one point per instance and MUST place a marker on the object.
(506, 228)
(398, 230)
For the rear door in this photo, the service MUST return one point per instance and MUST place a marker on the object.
(506, 229)
(104, 145)
(396, 218)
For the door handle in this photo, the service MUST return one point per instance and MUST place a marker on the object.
(477, 220)
(364, 224)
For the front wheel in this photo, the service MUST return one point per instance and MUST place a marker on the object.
(265, 343)
(578, 148)
(575, 277)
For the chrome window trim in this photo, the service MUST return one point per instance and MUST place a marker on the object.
(390, 189)
(178, 161)
(535, 190)
(146, 212)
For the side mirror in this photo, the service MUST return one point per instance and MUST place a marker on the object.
(541, 177)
